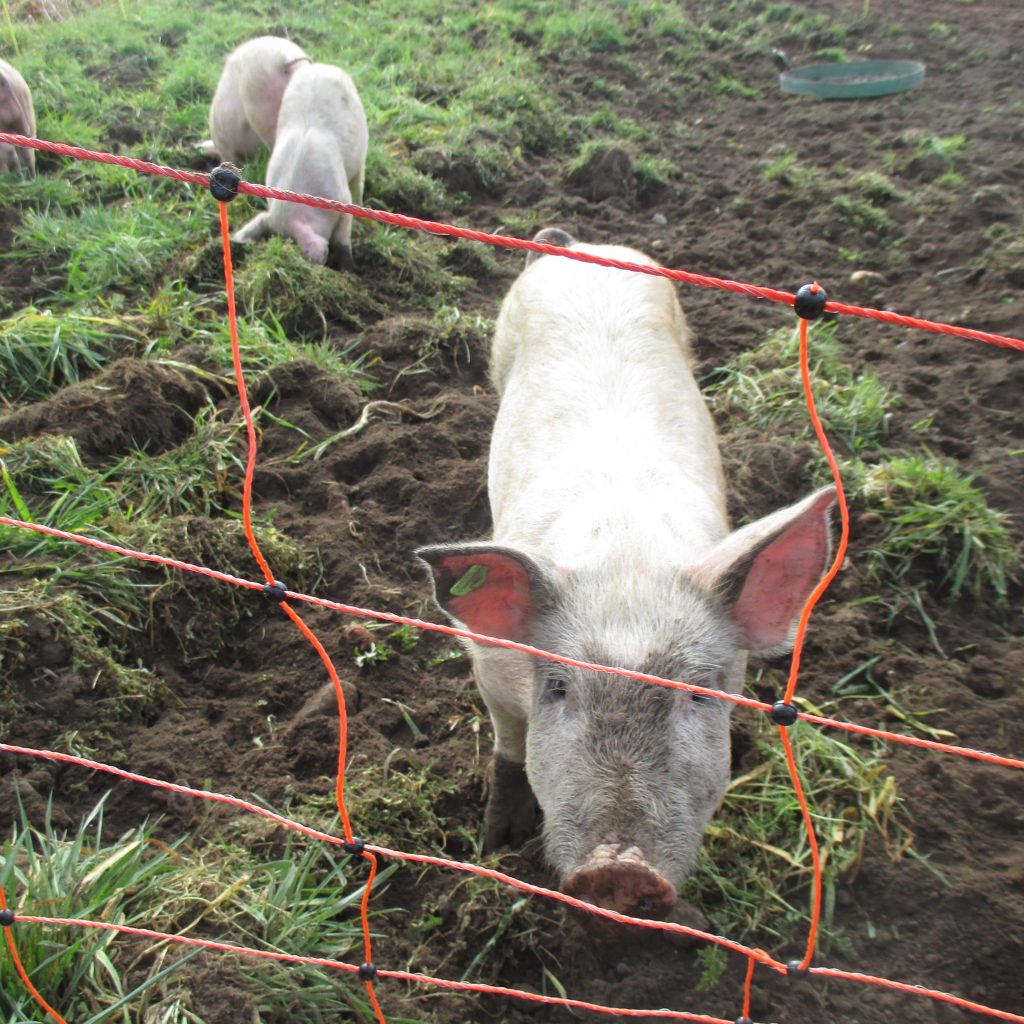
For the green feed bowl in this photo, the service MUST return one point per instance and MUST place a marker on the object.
(853, 79)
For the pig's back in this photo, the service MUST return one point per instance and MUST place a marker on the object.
(602, 438)
(325, 97)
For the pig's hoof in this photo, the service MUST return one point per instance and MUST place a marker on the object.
(339, 257)
(512, 811)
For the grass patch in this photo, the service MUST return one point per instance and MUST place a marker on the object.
(202, 614)
(44, 481)
(755, 868)
(121, 246)
(42, 350)
(761, 389)
(86, 875)
(787, 169)
(877, 189)
(863, 213)
(69, 631)
(403, 798)
(160, 504)
(937, 524)
(276, 283)
(726, 85)
(286, 894)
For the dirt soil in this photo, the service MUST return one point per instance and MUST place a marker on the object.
(251, 717)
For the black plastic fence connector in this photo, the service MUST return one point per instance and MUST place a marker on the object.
(367, 972)
(6, 918)
(783, 713)
(796, 969)
(810, 300)
(224, 181)
(355, 847)
(276, 591)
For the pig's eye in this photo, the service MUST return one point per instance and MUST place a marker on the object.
(555, 685)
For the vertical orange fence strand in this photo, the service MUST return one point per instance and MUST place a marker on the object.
(250, 469)
(805, 615)
(22, 973)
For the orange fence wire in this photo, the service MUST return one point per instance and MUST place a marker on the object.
(368, 971)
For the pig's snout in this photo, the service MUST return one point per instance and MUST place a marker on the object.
(621, 881)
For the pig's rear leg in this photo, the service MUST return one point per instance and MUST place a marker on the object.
(311, 245)
(340, 249)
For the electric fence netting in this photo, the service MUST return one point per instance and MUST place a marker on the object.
(808, 303)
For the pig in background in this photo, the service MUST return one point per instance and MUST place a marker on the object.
(320, 150)
(17, 117)
(611, 545)
(245, 105)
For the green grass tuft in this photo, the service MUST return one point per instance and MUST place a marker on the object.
(761, 388)
(42, 350)
(286, 894)
(937, 521)
(755, 867)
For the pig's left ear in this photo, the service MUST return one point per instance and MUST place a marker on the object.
(487, 588)
(764, 572)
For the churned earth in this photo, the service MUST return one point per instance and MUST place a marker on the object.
(244, 709)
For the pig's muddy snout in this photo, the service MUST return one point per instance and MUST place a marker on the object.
(621, 881)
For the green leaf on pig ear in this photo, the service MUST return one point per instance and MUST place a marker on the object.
(472, 579)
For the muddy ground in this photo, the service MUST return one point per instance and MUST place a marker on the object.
(243, 714)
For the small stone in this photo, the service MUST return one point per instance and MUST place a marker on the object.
(867, 277)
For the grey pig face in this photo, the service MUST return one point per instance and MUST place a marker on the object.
(628, 773)
(619, 763)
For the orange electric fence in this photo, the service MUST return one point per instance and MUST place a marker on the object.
(809, 302)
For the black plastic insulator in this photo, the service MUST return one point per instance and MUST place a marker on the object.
(355, 847)
(6, 918)
(795, 968)
(782, 713)
(810, 300)
(367, 972)
(224, 182)
(276, 591)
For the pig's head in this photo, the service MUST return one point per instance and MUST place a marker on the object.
(628, 773)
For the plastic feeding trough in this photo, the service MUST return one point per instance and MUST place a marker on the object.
(853, 79)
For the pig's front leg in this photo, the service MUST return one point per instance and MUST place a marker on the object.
(311, 244)
(27, 160)
(512, 812)
(257, 228)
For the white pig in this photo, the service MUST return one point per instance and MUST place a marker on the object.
(245, 105)
(611, 545)
(320, 150)
(18, 118)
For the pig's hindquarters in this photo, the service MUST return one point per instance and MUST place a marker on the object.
(309, 161)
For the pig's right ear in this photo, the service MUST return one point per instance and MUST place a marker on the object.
(764, 572)
(488, 589)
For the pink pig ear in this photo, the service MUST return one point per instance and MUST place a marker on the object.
(765, 571)
(490, 590)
